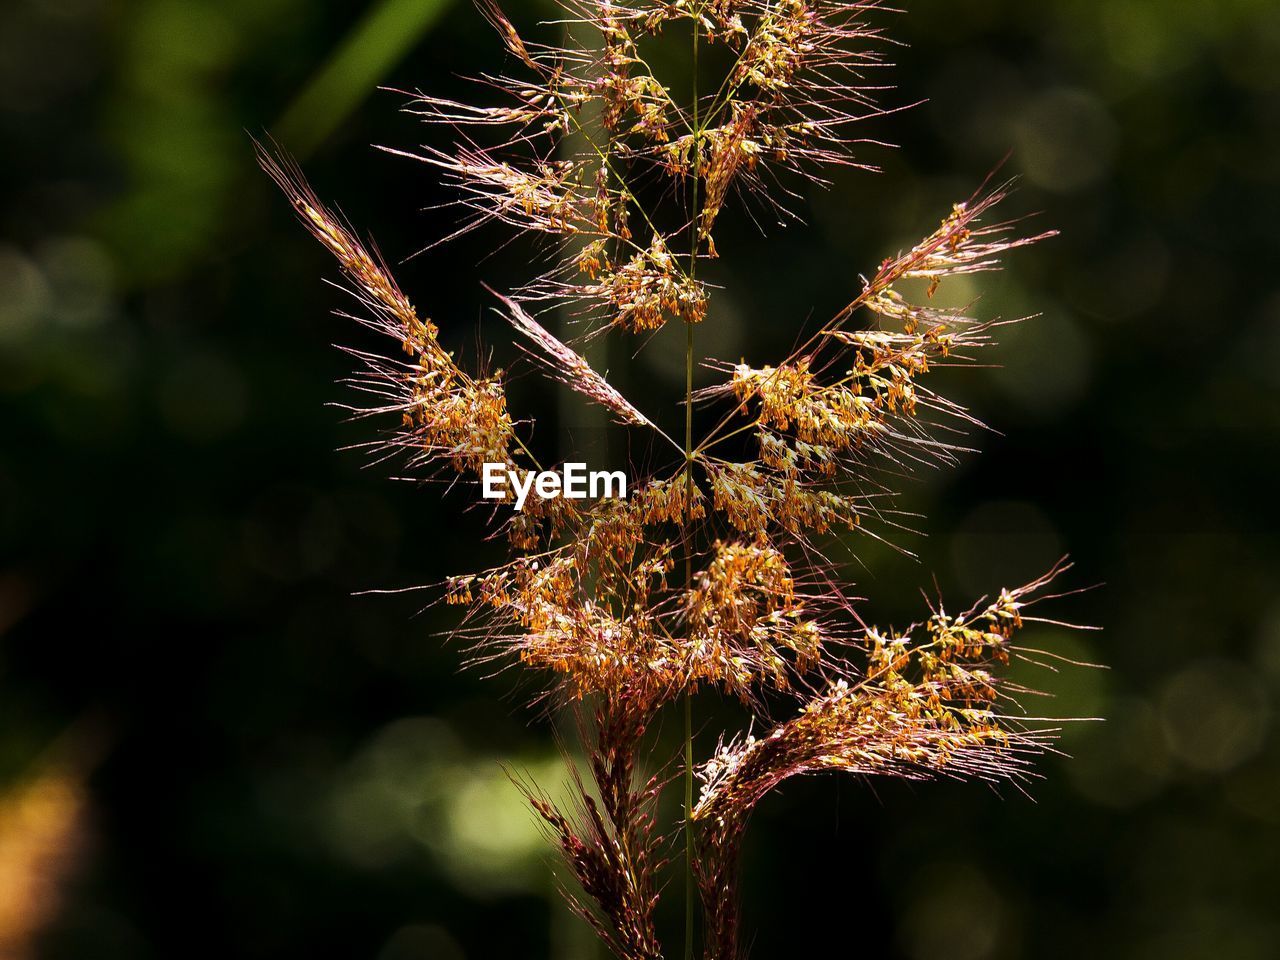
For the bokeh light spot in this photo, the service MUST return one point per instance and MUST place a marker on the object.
(1214, 714)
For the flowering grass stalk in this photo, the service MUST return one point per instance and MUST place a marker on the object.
(589, 146)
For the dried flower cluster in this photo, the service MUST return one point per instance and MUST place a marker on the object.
(711, 575)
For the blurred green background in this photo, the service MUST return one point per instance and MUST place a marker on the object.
(209, 747)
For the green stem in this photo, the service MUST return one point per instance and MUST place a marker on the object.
(688, 826)
(688, 468)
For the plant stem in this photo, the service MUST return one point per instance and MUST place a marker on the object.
(688, 826)
(688, 468)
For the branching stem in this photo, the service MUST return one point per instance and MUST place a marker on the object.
(688, 470)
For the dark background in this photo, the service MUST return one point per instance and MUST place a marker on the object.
(209, 747)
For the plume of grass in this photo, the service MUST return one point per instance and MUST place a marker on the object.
(714, 573)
